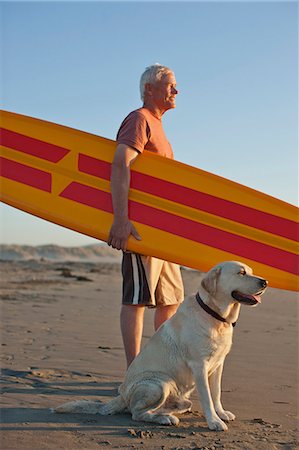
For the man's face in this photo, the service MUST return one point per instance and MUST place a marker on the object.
(164, 91)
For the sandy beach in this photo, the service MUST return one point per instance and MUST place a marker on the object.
(61, 341)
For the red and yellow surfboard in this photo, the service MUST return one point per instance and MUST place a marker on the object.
(183, 214)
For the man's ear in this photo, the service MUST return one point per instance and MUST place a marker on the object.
(148, 88)
(209, 283)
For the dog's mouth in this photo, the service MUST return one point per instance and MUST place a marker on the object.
(248, 299)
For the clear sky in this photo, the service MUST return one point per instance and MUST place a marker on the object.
(236, 65)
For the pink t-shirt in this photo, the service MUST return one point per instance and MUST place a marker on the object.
(141, 130)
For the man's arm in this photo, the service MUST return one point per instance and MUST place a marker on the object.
(121, 228)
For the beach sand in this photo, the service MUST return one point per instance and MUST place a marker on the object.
(61, 341)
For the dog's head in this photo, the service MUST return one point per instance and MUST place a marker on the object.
(233, 281)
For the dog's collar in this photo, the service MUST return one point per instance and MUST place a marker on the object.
(210, 311)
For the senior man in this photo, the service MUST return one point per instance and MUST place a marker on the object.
(147, 281)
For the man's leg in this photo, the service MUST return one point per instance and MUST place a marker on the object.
(169, 287)
(131, 324)
(163, 313)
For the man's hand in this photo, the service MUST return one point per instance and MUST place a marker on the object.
(120, 232)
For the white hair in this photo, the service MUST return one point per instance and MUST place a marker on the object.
(151, 75)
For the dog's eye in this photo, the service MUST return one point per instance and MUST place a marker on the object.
(242, 272)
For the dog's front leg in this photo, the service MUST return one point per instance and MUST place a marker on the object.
(215, 386)
(200, 374)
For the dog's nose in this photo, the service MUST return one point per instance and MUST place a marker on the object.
(264, 283)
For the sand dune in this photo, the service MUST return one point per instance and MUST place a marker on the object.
(95, 253)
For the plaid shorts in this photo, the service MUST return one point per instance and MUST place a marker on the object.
(149, 281)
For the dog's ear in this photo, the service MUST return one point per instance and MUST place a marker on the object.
(209, 283)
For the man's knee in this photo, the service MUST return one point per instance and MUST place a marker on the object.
(164, 313)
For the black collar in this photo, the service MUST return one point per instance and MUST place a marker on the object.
(210, 311)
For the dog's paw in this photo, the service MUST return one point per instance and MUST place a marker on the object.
(226, 415)
(168, 420)
(217, 424)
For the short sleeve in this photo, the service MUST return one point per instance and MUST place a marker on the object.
(134, 131)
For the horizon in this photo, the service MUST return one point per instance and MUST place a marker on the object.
(99, 243)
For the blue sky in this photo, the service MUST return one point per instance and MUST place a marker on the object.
(79, 64)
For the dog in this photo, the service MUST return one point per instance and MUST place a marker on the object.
(188, 350)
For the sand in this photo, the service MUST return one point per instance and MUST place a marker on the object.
(61, 341)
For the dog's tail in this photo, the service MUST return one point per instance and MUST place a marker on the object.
(115, 406)
(78, 406)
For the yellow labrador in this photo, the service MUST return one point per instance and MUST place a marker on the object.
(187, 351)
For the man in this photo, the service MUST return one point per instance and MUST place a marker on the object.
(147, 281)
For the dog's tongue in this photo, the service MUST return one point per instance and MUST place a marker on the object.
(246, 297)
(257, 298)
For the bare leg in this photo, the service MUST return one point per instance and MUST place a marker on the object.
(131, 323)
(164, 313)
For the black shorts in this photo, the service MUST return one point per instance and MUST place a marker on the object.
(150, 281)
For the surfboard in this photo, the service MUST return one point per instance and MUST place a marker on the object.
(184, 214)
